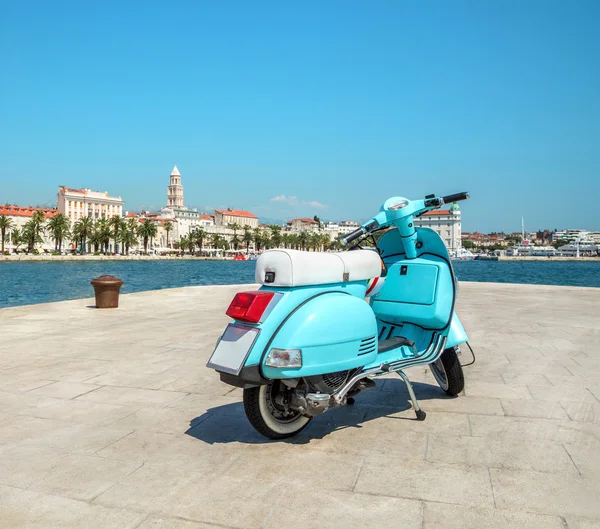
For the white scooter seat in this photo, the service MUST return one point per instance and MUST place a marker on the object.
(293, 268)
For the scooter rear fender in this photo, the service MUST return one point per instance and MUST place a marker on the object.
(287, 317)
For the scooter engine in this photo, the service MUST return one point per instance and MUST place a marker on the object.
(329, 382)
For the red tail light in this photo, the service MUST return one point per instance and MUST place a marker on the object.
(249, 306)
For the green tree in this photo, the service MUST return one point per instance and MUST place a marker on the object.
(168, 226)
(128, 236)
(30, 234)
(118, 225)
(95, 239)
(258, 239)
(59, 226)
(275, 235)
(303, 239)
(198, 236)
(147, 231)
(317, 219)
(468, 245)
(6, 224)
(15, 238)
(103, 233)
(247, 238)
(84, 228)
(285, 240)
(35, 228)
(561, 242)
(184, 243)
(214, 240)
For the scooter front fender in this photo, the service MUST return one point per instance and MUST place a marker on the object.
(457, 333)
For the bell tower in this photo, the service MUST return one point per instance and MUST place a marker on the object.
(175, 190)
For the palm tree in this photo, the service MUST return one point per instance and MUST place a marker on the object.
(303, 239)
(266, 239)
(275, 235)
(6, 223)
(83, 229)
(59, 228)
(257, 239)
(215, 240)
(198, 236)
(247, 238)
(184, 242)
(235, 240)
(147, 230)
(95, 239)
(168, 227)
(30, 234)
(128, 236)
(35, 228)
(118, 225)
(15, 238)
(285, 240)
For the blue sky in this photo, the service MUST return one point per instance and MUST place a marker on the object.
(303, 108)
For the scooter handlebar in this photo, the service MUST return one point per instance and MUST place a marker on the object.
(456, 197)
(353, 235)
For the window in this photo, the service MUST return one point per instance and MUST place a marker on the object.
(447, 233)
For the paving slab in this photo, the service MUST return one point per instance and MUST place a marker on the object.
(123, 426)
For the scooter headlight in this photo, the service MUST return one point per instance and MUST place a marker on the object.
(284, 358)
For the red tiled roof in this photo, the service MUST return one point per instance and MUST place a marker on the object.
(204, 216)
(23, 211)
(305, 221)
(236, 213)
(130, 215)
(436, 212)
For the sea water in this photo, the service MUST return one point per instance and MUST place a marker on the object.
(24, 283)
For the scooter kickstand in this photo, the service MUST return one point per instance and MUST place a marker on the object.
(418, 411)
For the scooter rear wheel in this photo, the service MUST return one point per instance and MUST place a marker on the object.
(268, 417)
(448, 372)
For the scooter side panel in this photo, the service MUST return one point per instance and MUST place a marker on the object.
(330, 331)
(457, 333)
(291, 300)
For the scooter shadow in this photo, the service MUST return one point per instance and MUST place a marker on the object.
(228, 423)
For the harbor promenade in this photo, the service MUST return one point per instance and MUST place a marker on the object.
(109, 419)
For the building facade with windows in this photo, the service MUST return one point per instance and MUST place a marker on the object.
(446, 223)
(303, 224)
(78, 203)
(227, 217)
(19, 216)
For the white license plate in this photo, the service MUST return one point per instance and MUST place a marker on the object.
(233, 348)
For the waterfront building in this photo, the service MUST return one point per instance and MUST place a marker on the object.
(577, 235)
(302, 224)
(446, 223)
(227, 217)
(184, 219)
(175, 190)
(20, 215)
(335, 229)
(78, 203)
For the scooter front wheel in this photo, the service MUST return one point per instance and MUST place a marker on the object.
(268, 416)
(448, 372)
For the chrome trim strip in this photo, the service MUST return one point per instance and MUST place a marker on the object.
(430, 355)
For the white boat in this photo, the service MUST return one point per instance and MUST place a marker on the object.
(461, 255)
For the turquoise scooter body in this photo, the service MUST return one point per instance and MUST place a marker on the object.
(299, 349)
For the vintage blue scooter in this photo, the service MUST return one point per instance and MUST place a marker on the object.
(323, 324)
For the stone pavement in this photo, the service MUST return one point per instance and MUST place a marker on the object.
(110, 419)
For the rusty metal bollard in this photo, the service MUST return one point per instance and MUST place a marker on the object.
(106, 288)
